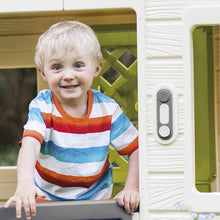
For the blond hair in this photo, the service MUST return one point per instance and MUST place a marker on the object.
(70, 35)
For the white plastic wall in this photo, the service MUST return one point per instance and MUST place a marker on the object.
(28, 6)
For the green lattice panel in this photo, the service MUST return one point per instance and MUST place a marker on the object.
(118, 80)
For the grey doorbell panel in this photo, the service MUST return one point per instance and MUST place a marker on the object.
(164, 108)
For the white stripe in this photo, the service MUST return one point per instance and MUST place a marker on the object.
(125, 138)
(102, 109)
(116, 114)
(45, 108)
(70, 140)
(38, 126)
(55, 111)
(71, 169)
(64, 192)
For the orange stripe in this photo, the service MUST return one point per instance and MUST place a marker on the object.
(69, 181)
(34, 134)
(91, 125)
(42, 200)
(130, 148)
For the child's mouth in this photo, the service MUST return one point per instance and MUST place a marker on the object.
(69, 86)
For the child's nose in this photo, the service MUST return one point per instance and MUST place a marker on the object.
(69, 74)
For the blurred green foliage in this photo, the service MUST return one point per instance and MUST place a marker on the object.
(17, 88)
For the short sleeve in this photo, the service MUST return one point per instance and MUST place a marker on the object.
(35, 126)
(123, 134)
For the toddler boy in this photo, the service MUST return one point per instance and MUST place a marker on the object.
(64, 148)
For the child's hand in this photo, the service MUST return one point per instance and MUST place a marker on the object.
(25, 195)
(129, 199)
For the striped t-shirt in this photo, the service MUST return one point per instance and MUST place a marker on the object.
(73, 162)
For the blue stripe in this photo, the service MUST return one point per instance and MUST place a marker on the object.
(46, 96)
(99, 97)
(74, 155)
(105, 182)
(35, 115)
(120, 125)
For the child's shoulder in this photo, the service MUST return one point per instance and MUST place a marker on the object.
(99, 97)
(45, 96)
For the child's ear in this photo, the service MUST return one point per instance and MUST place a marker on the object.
(42, 75)
(98, 69)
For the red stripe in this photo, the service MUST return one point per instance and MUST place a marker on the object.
(91, 125)
(69, 181)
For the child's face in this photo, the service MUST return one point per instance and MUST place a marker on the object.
(70, 74)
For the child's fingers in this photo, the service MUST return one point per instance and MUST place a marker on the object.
(129, 200)
(18, 202)
(18, 208)
(27, 210)
(28, 203)
(134, 204)
(120, 199)
(9, 202)
(123, 200)
(32, 205)
(127, 204)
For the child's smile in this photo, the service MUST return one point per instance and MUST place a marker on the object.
(69, 87)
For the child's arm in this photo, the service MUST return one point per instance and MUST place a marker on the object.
(129, 197)
(26, 190)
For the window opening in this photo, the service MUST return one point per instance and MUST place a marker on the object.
(17, 88)
(127, 58)
(119, 47)
(111, 75)
(206, 105)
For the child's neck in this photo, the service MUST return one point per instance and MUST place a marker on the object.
(78, 109)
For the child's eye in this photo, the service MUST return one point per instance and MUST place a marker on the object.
(56, 67)
(78, 65)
